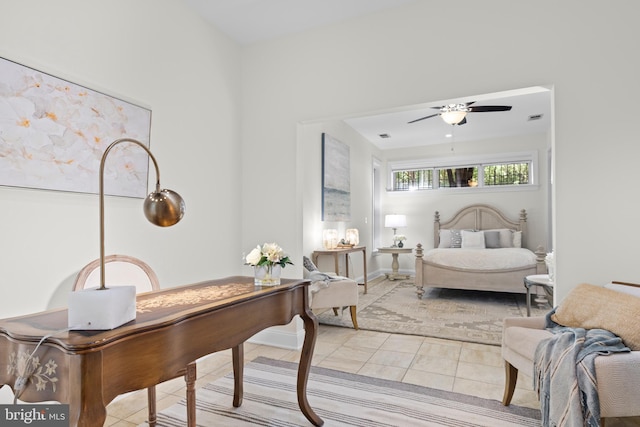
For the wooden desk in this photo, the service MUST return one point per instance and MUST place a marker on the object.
(395, 265)
(88, 369)
(344, 251)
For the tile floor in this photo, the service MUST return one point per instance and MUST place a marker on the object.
(467, 368)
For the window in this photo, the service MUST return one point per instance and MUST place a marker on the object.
(458, 177)
(506, 170)
(413, 179)
(506, 174)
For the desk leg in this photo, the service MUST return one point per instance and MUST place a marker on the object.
(311, 331)
(238, 373)
(86, 407)
(190, 379)
(151, 405)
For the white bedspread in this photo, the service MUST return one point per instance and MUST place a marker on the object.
(482, 259)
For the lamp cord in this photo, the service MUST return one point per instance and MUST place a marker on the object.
(21, 382)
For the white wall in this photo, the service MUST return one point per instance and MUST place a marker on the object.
(361, 152)
(400, 57)
(157, 53)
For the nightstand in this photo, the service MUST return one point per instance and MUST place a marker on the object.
(394, 275)
(537, 280)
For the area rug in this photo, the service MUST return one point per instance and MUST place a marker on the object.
(340, 399)
(462, 315)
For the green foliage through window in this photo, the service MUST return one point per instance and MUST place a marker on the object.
(480, 175)
(413, 179)
(506, 174)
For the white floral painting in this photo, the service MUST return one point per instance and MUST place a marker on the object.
(336, 180)
(53, 134)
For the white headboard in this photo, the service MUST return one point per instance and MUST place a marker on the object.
(479, 217)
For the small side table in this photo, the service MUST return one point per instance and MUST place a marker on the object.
(394, 275)
(537, 280)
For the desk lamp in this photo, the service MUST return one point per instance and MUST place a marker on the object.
(105, 308)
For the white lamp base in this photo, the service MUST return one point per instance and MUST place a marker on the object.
(94, 309)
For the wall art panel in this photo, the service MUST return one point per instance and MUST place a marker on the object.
(53, 134)
(336, 180)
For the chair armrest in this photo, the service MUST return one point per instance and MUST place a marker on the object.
(619, 384)
(627, 363)
(524, 322)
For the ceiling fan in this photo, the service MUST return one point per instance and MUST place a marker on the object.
(455, 114)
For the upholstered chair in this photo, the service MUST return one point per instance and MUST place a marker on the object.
(618, 374)
(331, 292)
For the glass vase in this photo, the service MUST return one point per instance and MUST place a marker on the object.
(267, 275)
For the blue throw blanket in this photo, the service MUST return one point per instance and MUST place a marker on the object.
(564, 374)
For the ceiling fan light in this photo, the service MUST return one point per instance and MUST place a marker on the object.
(453, 117)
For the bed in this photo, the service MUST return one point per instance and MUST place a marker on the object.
(479, 248)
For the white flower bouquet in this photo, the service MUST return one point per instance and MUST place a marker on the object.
(269, 254)
(267, 261)
(550, 261)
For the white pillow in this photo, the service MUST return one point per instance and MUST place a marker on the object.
(445, 239)
(472, 239)
(517, 239)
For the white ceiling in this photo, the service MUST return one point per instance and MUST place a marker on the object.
(480, 125)
(251, 21)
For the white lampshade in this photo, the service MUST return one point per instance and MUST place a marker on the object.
(395, 221)
(453, 117)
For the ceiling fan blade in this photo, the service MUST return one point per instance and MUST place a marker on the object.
(485, 108)
(425, 117)
(463, 121)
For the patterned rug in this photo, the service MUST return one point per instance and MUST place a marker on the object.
(340, 399)
(471, 316)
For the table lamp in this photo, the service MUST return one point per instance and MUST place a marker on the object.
(352, 236)
(330, 238)
(395, 221)
(105, 308)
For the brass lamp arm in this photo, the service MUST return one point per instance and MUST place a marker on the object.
(102, 162)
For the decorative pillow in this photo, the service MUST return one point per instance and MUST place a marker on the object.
(595, 307)
(506, 238)
(517, 239)
(492, 239)
(472, 239)
(445, 239)
(456, 238)
(308, 264)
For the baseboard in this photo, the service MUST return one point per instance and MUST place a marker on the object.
(279, 337)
